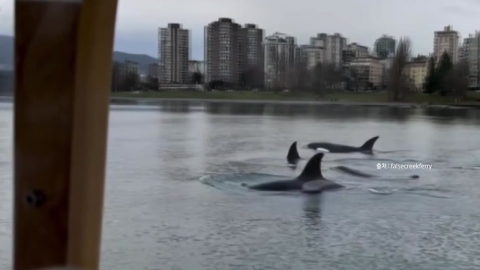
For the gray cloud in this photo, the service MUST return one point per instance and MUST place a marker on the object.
(461, 11)
(360, 21)
(474, 2)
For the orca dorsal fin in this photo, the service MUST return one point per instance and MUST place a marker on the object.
(293, 155)
(368, 145)
(312, 170)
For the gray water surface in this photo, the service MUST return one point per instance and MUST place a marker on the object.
(173, 199)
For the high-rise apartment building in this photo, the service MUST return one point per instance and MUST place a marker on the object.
(353, 51)
(446, 41)
(312, 55)
(252, 49)
(280, 51)
(234, 54)
(471, 53)
(299, 55)
(252, 55)
(292, 46)
(385, 46)
(223, 51)
(333, 46)
(173, 54)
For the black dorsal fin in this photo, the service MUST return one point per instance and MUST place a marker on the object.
(312, 171)
(293, 155)
(368, 145)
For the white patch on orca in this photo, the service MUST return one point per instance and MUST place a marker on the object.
(313, 186)
(323, 150)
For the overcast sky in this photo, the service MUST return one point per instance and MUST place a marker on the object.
(360, 21)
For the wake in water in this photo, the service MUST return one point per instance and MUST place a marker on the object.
(232, 183)
(391, 151)
(438, 193)
(354, 171)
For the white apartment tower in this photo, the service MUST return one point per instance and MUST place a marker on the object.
(312, 55)
(334, 46)
(446, 41)
(173, 54)
(279, 59)
(353, 51)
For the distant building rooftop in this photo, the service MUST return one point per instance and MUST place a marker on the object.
(174, 25)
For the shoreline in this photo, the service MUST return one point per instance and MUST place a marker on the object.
(156, 101)
(115, 100)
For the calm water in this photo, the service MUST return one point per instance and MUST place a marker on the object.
(173, 201)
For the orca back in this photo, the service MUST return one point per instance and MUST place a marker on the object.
(368, 145)
(312, 170)
(293, 155)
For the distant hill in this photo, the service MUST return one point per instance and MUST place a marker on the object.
(6, 50)
(6, 55)
(142, 59)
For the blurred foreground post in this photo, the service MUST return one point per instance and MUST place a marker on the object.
(63, 62)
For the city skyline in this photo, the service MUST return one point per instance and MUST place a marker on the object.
(359, 21)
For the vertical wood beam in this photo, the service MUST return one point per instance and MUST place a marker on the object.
(63, 54)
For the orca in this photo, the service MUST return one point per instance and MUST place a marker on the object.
(309, 181)
(367, 147)
(293, 157)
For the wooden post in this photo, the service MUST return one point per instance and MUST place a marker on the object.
(63, 53)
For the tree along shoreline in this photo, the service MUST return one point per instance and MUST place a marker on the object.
(445, 76)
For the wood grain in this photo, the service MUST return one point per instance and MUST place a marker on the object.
(61, 116)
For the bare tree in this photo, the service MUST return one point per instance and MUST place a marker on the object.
(386, 77)
(399, 85)
(431, 81)
(197, 78)
(318, 79)
(130, 82)
(299, 77)
(351, 77)
(151, 83)
(357, 77)
(281, 75)
(332, 75)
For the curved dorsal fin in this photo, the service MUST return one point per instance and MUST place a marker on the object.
(293, 155)
(312, 171)
(368, 145)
